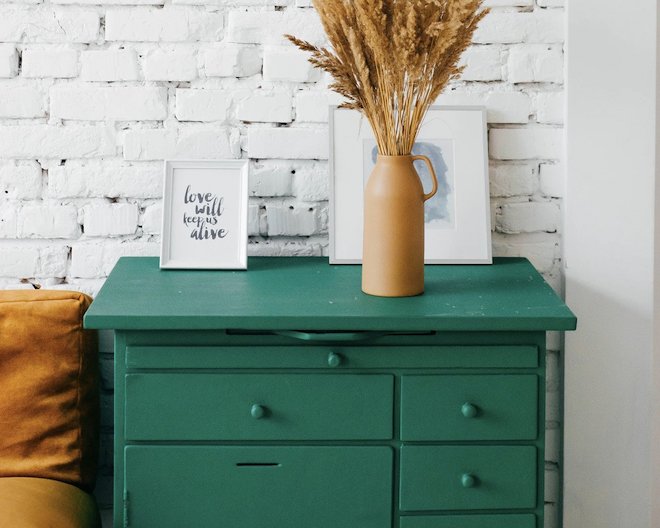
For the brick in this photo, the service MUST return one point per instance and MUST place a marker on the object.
(18, 261)
(552, 179)
(105, 179)
(289, 220)
(311, 182)
(91, 260)
(510, 28)
(541, 249)
(232, 60)
(151, 221)
(508, 3)
(503, 107)
(284, 248)
(110, 219)
(110, 2)
(46, 24)
(313, 106)
(8, 61)
(254, 220)
(24, 102)
(54, 63)
(513, 180)
(269, 27)
(550, 107)
(170, 65)
(288, 143)
(208, 143)
(482, 63)
(171, 24)
(526, 143)
(48, 221)
(551, 3)
(53, 261)
(529, 217)
(288, 64)
(271, 178)
(96, 103)
(20, 180)
(56, 142)
(202, 105)
(149, 144)
(528, 64)
(109, 65)
(266, 106)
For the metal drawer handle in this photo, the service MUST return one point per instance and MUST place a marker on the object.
(258, 411)
(334, 359)
(469, 410)
(331, 336)
(468, 480)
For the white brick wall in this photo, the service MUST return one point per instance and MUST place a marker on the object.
(94, 94)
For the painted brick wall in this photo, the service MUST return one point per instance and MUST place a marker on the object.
(95, 93)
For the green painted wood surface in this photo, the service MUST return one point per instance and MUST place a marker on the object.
(309, 294)
(307, 357)
(504, 407)
(469, 521)
(297, 407)
(300, 487)
(431, 477)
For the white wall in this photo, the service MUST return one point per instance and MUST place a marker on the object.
(609, 260)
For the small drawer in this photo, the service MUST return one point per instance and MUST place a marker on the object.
(191, 406)
(474, 407)
(468, 477)
(469, 521)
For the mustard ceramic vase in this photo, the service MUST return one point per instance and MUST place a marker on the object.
(393, 251)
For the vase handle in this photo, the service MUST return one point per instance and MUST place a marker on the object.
(435, 178)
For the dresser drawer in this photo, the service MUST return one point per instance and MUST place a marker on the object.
(265, 487)
(191, 406)
(469, 521)
(467, 477)
(474, 407)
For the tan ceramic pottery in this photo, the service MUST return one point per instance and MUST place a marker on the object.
(393, 255)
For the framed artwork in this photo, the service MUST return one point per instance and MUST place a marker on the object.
(457, 218)
(205, 206)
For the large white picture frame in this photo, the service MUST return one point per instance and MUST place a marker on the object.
(457, 219)
(205, 212)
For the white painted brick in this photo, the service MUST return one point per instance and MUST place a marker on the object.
(8, 61)
(551, 3)
(508, 3)
(109, 65)
(311, 183)
(482, 63)
(541, 249)
(513, 180)
(550, 107)
(271, 178)
(313, 106)
(526, 143)
(47, 24)
(20, 180)
(96, 259)
(266, 106)
(110, 219)
(289, 220)
(254, 220)
(288, 64)
(269, 27)
(503, 107)
(510, 28)
(110, 2)
(288, 143)
(8, 220)
(211, 143)
(528, 217)
(96, 103)
(150, 144)
(105, 179)
(552, 179)
(53, 261)
(56, 63)
(18, 261)
(536, 64)
(284, 248)
(171, 24)
(202, 105)
(56, 142)
(152, 219)
(170, 64)
(232, 60)
(21, 101)
(48, 221)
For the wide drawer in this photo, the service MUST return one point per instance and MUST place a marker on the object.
(191, 406)
(473, 407)
(468, 477)
(265, 487)
(469, 521)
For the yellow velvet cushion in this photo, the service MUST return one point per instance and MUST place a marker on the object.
(43, 503)
(49, 409)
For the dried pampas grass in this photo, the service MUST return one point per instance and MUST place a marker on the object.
(392, 58)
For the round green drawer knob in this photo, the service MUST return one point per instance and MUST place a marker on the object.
(257, 411)
(334, 359)
(468, 481)
(469, 410)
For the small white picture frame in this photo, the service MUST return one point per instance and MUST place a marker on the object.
(457, 219)
(205, 212)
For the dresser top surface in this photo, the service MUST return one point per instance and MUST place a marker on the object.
(287, 293)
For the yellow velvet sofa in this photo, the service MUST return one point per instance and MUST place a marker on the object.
(49, 411)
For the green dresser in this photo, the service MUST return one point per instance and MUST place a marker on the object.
(283, 397)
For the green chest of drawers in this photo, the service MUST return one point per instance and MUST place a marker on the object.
(282, 397)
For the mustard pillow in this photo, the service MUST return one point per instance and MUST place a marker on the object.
(49, 409)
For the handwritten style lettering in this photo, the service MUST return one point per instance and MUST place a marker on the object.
(206, 208)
